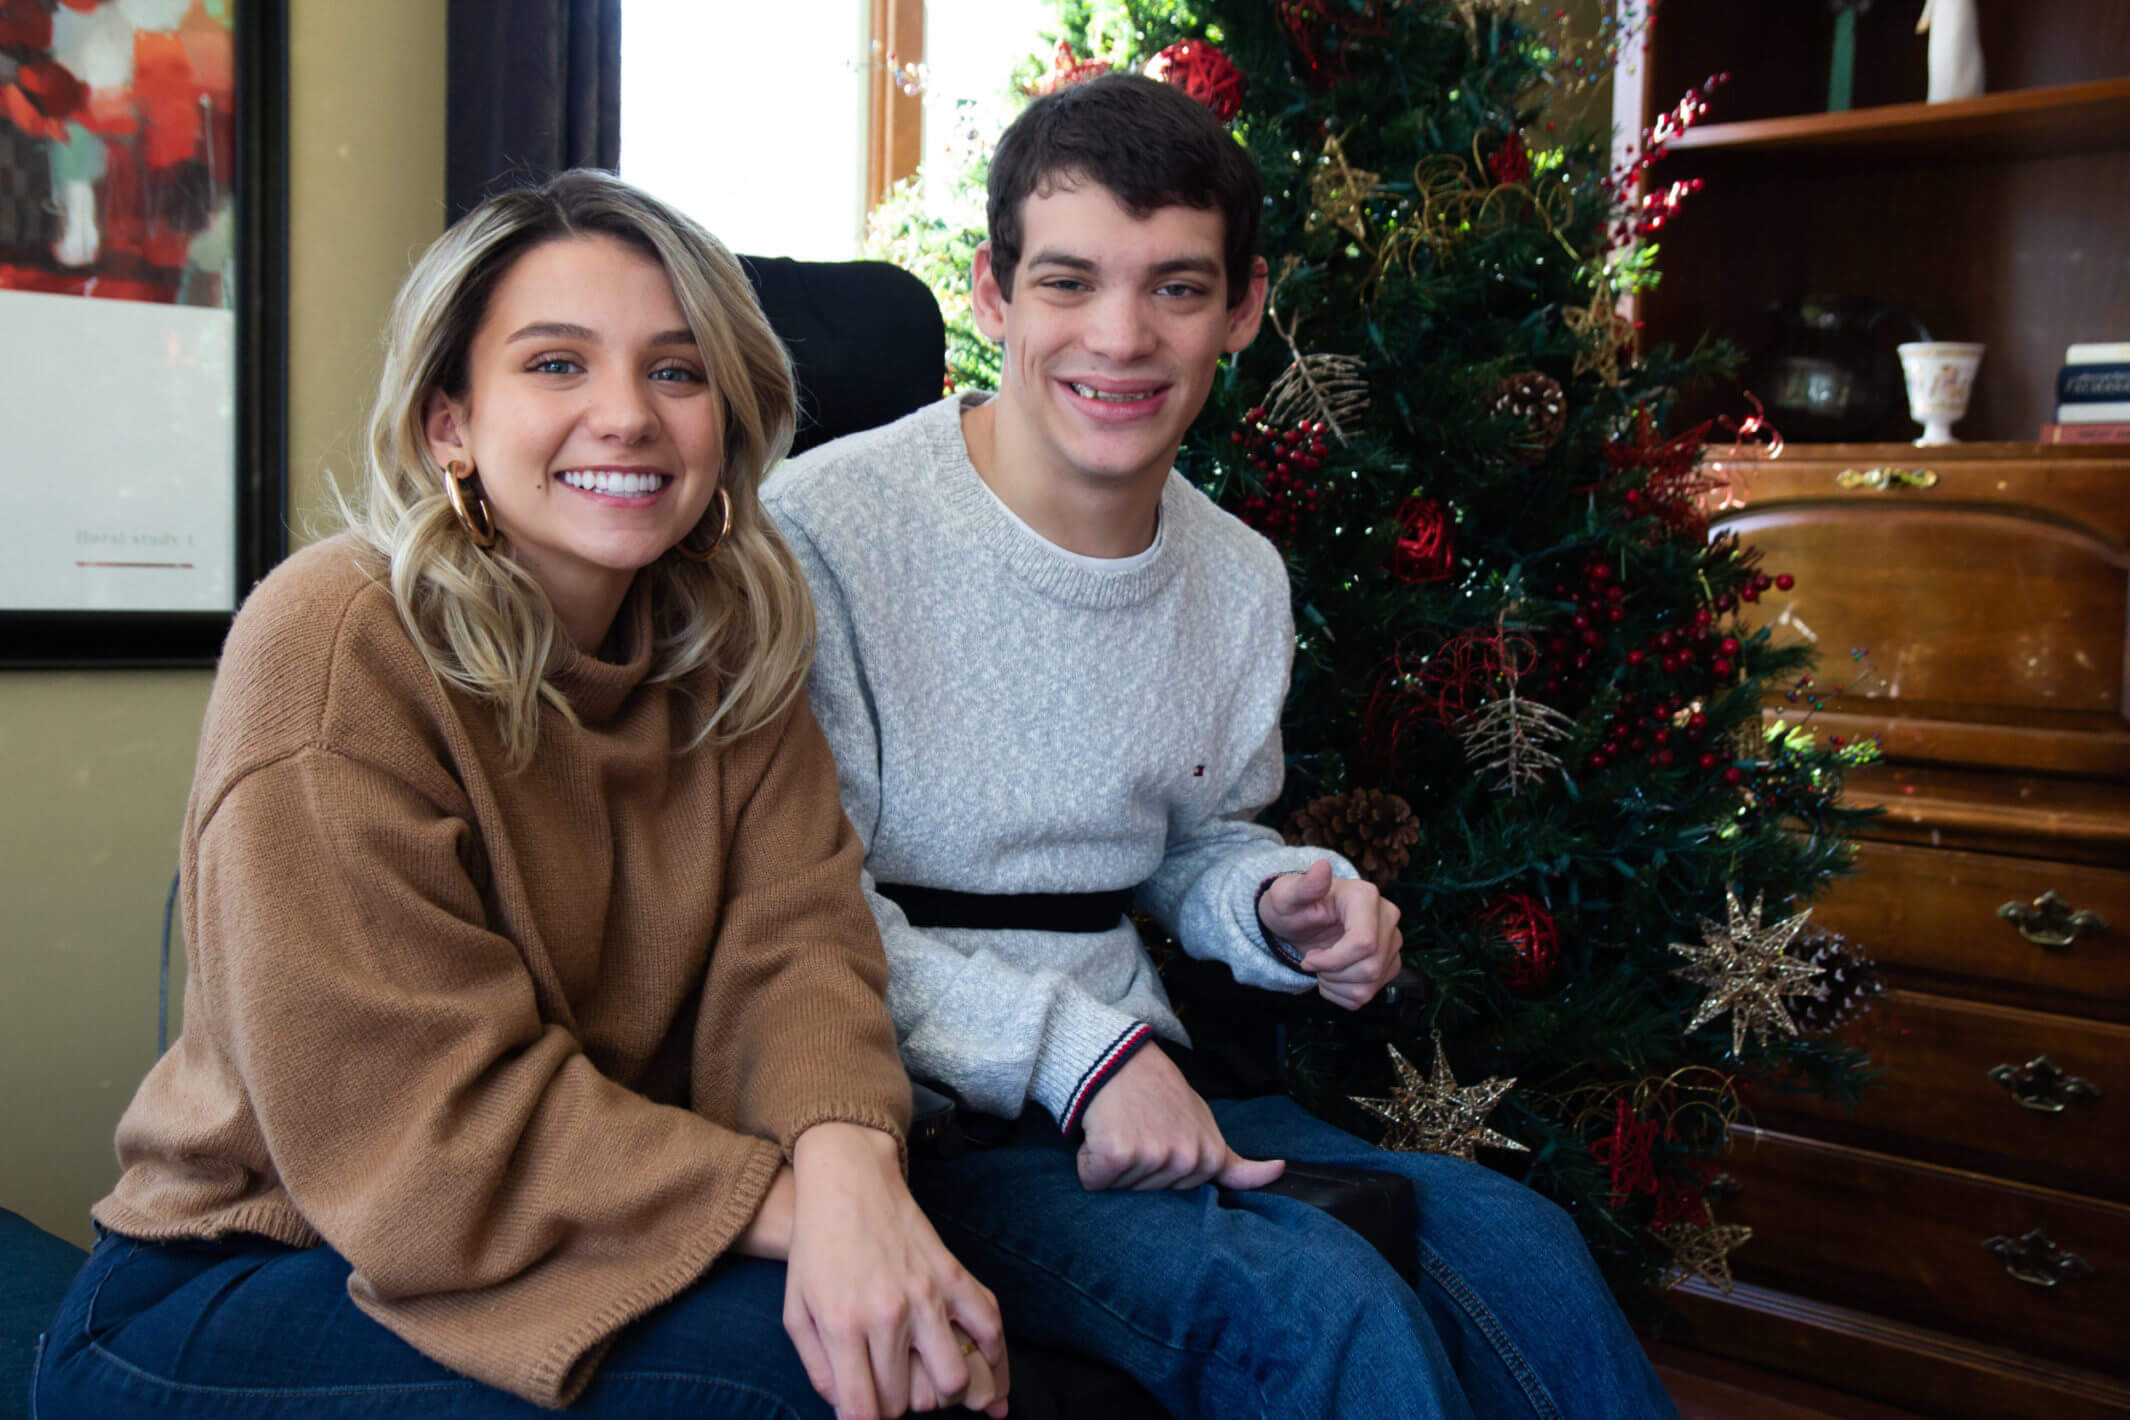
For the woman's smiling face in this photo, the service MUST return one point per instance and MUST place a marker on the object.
(589, 415)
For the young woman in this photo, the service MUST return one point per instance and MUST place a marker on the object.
(535, 1051)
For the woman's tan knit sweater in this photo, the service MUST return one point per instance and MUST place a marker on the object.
(527, 1049)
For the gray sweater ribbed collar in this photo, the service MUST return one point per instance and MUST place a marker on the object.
(1048, 570)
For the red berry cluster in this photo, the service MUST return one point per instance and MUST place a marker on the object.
(1574, 640)
(1281, 457)
(1760, 582)
(1675, 649)
(1644, 213)
(1660, 731)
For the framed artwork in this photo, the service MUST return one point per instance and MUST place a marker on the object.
(143, 275)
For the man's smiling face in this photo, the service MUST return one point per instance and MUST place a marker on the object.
(1113, 332)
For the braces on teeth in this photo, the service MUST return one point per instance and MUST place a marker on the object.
(1090, 392)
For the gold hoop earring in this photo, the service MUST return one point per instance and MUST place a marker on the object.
(475, 518)
(704, 554)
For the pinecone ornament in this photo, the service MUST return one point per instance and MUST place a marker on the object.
(1847, 984)
(1538, 402)
(1372, 829)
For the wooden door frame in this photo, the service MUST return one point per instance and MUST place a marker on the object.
(894, 120)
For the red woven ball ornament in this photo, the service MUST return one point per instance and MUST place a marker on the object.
(1533, 938)
(1427, 542)
(1324, 30)
(1204, 73)
(1068, 69)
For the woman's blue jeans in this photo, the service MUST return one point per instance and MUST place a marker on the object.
(1236, 1305)
(246, 1329)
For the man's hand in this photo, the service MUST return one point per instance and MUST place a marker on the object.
(1148, 1129)
(1346, 933)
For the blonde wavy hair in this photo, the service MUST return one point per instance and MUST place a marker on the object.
(483, 624)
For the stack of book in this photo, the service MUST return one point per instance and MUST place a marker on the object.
(2092, 396)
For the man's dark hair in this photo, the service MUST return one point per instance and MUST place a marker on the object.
(1151, 145)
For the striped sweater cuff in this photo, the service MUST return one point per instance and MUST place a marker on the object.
(1280, 947)
(1099, 1072)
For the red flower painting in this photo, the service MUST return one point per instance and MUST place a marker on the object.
(118, 149)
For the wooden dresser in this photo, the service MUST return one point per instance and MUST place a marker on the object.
(1960, 1245)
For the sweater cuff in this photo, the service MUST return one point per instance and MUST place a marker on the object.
(1263, 867)
(1084, 1042)
(1279, 946)
(893, 1123)
(1102, 1072)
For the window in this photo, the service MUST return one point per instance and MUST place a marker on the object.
(751, 118)
(972, 48)
(773, 124)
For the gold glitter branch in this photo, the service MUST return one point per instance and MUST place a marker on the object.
(1326, 387)
(1508, 738)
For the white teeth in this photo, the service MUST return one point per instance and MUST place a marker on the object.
(1107, 397)
(619, 484)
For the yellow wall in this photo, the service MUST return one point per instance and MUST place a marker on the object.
(95, 765)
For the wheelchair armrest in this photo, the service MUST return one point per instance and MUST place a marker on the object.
(933, 1128)
(1397, 1005)
(1212, 988)
(1377, 1204)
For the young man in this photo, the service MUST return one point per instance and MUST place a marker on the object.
(1052, 673)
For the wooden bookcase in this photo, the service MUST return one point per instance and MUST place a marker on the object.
(2003, 219)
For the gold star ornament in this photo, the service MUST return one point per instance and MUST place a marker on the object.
(1468, 13)
(1437, 1115)
(1601, 334)
(1744, 967)
(1338, 191)
(1701, 1250)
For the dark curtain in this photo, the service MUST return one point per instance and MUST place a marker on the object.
(535, 87)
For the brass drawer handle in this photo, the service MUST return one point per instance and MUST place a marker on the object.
(2037, 1261)
(2051, 922)
(2041, 1085)
(1886, 476)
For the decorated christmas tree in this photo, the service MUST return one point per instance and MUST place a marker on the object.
(1523, 699)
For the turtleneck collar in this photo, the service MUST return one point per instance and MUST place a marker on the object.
(596, 688)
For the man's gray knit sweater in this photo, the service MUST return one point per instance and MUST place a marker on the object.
(1008, 717)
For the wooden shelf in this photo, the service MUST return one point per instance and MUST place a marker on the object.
(1982, 451)
(2062, 118)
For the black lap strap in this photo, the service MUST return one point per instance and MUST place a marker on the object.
(1009, 911)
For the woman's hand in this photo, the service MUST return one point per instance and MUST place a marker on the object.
(769, 1235)
(878, 1308)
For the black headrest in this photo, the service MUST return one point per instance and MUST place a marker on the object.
(865, 337)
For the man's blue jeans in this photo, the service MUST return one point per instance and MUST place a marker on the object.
(1236, 1305)
(245, 1329)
